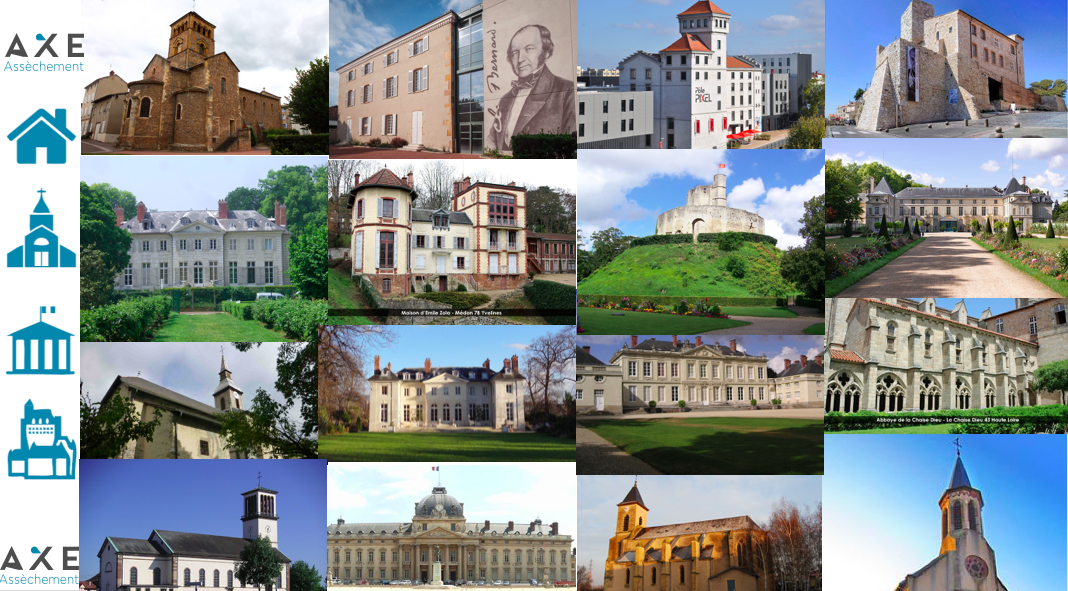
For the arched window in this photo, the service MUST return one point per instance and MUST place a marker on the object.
(972, 517)
(156, 574)
(201, 577)
(891, 334)
(223, 85)
(133, 575)
(956, 515)
(230, 578)
(654, 575)
(639, 522)
(201, 49)
(682, 574)
(187, 577)
(178, 46)
(146, 107)
(628, 577)
(626, 522)
(178, 111)
(945, 522)
(215, 578)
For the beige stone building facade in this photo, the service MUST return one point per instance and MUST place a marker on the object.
(598, 385)
(1042, 321)
(905, 355)
(799, 383)
(698, 373)
(511, 551)
(947, 67)
(402, 89)
(102, 108)
(706, 211)
(444, 398)
(726, 554)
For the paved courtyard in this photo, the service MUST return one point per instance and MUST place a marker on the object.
(948, 265)
(1040, 124)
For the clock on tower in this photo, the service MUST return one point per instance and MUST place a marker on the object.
(260, 518)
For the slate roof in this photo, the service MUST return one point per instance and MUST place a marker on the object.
(187, 544)
(473, 528)
(634, 496)
(697, 527)
(849, 356)
(546, 236)
(426, 215)
(795, 369)
(136, 546)
(960, 476)
(683, 346)
(688, 43)
(1014, 187)
(950, 192)
(162, 222)
(704, 7)
(170, 396)
(584, 358)
(466, 373)
(882, 188)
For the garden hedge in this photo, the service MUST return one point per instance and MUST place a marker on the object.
(670, 301)
(202, 295)
(727, 239)
(127, 321)
(298, 319)
(544, 146)
(550, 295)
(290, 145)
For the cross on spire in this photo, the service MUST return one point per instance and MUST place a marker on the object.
(42, 192)
(258, 475)
(956, 442)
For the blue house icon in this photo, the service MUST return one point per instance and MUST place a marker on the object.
(41, 248)
(45, 349)
(42, 130)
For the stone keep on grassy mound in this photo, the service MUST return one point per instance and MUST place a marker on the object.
(701, 269)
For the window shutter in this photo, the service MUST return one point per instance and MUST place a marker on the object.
(384, 62)
(396, 85)
(383, 124)
(378, 243)
(379, 207)
(409, 79)
(370, 126)
(454, 262)
(383, 88)
(426, 42)
(426, 77)
(454, 241)
(358, 257)
(372, 64)
(410, 50)
(370, 92)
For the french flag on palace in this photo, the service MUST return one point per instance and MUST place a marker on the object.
(435, 468)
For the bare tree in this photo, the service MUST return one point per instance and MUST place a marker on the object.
(434, 184)
(340, 175)
(585, 578)
(343, 351)
(550, 362)
(794, 554)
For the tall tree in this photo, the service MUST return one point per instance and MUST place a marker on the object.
(607, 245)
(841, 199)
(343, 353)
(117, 197)
(99, 232)
(813, 229)
(304, 577)
(791, 533)
(303, 189)
(107, 428)
(585, 579)
(307, 263)
(259, 564)
(859, 93)
(97, 278)
(806, 134)
(548, 211)
(244, 198)
(1047, 87)
(812, 95)
(547, 361)
(309, 96)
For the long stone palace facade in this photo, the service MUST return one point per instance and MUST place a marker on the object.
(477, 550)
(897, 354)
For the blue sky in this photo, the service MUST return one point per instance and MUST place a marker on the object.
(128, 499)
(519, 492)
(854, 35)
(457, 346)
(775, 347)
(627, 189)
(610, 30)
(976, 306)
(358, 26)
(882, 520)
(149, 177)
(681, 499)
(960, 162)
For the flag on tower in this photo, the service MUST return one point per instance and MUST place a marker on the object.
(435, 468)
(723, 166)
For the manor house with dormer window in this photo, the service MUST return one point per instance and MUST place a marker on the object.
(205, 248)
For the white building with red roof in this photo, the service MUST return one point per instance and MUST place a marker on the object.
(700, 94)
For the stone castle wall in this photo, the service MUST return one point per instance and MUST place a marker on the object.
(696, 219)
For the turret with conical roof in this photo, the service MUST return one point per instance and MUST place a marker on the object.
(961, 506)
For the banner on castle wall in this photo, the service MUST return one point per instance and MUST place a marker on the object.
(952, 96)
(912, 80)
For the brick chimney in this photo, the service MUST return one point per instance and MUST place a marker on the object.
(674, 340)
(511, 525)
(486, 364)
(734, 345)
(511, 184)
(515, 363)
(282, 211)
(410, 184)
(276, 211)
(426, 365)
(223, 211)
(111, 73)
(487, 525)
(140, 211)
(633, 341)
(1024, 183)
(119, 211)
(819, 360)
(786, 365)
(467, 182)
(556, 528)
(356, 183)
(804, 360)
(698, 341)
(507, 364)
(378, 363)
(586, 349)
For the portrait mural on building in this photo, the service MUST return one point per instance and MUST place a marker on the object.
(527, 71)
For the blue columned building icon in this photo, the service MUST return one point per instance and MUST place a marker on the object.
(45, 349)
(44, 453)
(42, 130)
(41, 247)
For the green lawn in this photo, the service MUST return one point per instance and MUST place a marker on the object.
(819, 328)
(601, 321)
(847, 243)
(836, 286)
(342, 293)
(719, 445)
(221, 327)
(446, 447)
(1045, 244)
(761, 312)
(1053, 283)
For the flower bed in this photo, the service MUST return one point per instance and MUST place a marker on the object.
(840, 262)
(701, 308)
(1054, 264)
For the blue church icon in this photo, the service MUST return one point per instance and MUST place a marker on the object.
(46, 358)
(45, 454)
(42, 130)
(42, 248)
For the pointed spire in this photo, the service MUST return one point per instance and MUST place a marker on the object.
(634, 496)
(223, 368)
(41, 206)
(960, 475)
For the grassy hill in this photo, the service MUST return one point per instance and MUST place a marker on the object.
(691, 270)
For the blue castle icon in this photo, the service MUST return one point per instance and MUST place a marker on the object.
(45, 454)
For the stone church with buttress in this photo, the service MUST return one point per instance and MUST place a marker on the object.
(190, 100)
(727, 554)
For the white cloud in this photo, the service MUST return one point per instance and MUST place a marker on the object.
(990, 166)
(744, 195)
(520, 346)
(1056, 162)
(860, 154)
(791, 353)
(1047, 179)
(779, 24)
(784, 206)
(351, 33)
(810, 154)
(923, 177)
(1040, 149)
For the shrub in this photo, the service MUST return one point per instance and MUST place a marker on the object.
(315, 143)
(549, 295)
(652, 404)
(682, 404)
(398, 142)
(736, 238)
(544, 146)
(126, 321)
(374, 142)
(848, 231)
(461, 287)
(272, 134)
(883, 233)
(713, 302)
(298, 319)
(427, 288)
(736, 266)
(252, 135)
(729, 241)
(458, 300)
(989, 230)
(204, 296)
(1013, 237)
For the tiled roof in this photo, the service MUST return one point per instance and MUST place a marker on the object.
(1004, 336)
(704, 7)
(849, 356)
(544, 236)
(136, 546)
(688, 43)
(733, 62)
(385, 177)
(426, 215)
(634, 496)
(697, 527)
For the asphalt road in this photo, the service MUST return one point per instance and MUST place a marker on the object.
(1040, 124)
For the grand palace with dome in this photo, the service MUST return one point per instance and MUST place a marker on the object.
(468, 550)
